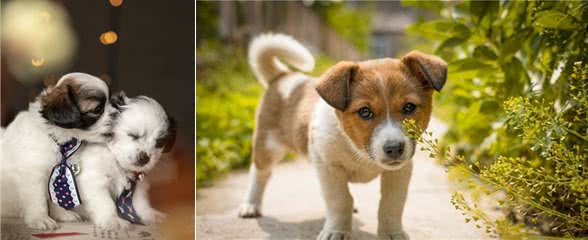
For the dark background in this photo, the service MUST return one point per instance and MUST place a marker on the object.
(153, 56)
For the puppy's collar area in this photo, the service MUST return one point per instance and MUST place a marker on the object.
(136, 176)
(62, 186)
(124, 202)
(60, 140)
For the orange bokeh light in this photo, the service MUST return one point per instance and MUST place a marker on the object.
(37, 62)
(116, 3)
(109, 37)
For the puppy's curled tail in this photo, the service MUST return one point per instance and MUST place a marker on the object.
(264, 51)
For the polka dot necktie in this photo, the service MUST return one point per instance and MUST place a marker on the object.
(124, 202)
(63, 189)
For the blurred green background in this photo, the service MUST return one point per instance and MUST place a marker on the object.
(515, 102)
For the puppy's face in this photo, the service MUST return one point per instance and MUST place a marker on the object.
(79, 104)
(372, 99)
(142, 133)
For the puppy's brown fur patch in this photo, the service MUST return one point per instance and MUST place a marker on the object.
(383, 85)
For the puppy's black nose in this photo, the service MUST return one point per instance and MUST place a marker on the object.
(393, 149)
(142, 159)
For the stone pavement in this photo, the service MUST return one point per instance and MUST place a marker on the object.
(293, 208)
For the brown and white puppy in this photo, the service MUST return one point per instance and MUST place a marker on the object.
(347, 121)
(78, 107)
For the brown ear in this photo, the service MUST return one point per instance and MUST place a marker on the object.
(333, 85)
(59, 107)
(431, 70)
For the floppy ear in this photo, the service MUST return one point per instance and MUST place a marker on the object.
(333, 85)
(119, 99)
(429, 69)
(59, 106)
(171, 134)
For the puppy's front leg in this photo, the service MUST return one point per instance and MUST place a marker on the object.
(339, 203)
(33, 195)
(63, 215)
(393, 188)
(141, 201)
(101, 208)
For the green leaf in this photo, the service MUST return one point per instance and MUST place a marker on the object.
(515, 77)
(479, 9)
(449, 43)
(511, 46)
(443, 29)
(556, 20)
(489, 106)
(484, 53)
(467, 68)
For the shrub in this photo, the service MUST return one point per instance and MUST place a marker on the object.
(515, 104)
(226, 97)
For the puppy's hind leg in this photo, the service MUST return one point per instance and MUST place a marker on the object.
(267, 151)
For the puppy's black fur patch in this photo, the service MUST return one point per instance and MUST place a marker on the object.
(171, 134)
(62, 109)
(118, 99)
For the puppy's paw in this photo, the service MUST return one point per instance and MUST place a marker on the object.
(67, 216)
(333, 235)
(248, 210)
(393, 236)
(112, 223)
(152, 216)
(41, 223)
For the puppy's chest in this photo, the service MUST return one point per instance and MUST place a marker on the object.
(119, 182)
(331, 148)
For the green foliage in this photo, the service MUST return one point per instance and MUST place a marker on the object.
(227, 95)
(353, 24)
(516, 107)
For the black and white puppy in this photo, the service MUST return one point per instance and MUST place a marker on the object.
(112, 187)
(77, 107)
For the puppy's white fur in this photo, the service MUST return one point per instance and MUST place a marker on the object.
(264, 50)
(106, 168)
(28, 154)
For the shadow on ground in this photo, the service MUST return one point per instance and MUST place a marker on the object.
(309, 229)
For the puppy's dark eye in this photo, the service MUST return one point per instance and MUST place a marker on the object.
(133, 136)
(408, 108)
(365, 113)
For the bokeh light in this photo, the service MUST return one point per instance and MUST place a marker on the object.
(37, 62)
(109, 37)
(116, 3)
(36, 33)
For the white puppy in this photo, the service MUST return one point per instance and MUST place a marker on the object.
(77, 107)
(111, 176)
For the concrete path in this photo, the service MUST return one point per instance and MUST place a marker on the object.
(293, 208)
